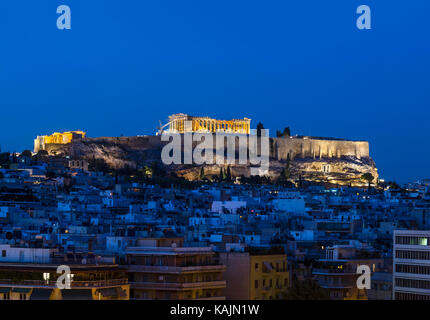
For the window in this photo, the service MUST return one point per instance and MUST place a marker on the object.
(256, 267)
(412, 240)
(3, 253)
(256, 284)
(412, 254)
(46, 276)
(417, 269)
(412, 283)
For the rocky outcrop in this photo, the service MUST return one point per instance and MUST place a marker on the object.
(134, 152)
(117, 152)
(340, 171)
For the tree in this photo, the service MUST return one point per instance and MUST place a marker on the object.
(42, 156)
(287, 169)
(393, 185)
(306, 290)
(147, 171)
(286, 132)
(99, 165)
(157, 169)
(259, 128)
(202, 173)
(228, 174)
(4, 158)
(367, 177)
(42, 153)
(50, 174)
(221, 174)
(27, 153)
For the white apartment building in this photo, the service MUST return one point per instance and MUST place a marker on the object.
(411, 265)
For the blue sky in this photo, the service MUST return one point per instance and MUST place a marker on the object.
(304, 64)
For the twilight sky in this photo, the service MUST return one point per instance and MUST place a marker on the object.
(304, 64)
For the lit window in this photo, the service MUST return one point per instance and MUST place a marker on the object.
(46, 276)
(422, 241)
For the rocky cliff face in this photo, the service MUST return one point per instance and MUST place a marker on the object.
(138, 151)
(341, 171)
(116, 152)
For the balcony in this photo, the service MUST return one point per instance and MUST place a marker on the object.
(53, 284)
(345, 284)
(346, 271)
(212, 298)
(175, 270)
(219, 284)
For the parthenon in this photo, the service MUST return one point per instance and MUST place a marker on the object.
(205, 124)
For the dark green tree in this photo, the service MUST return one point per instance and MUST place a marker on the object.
(286, 132)
(27, 153)
(4, 158)
(367, 177)
(306, 290)
(157, 169)
(50, 174)
(202, 173)
(228, 174)
(259, 128)
(42, 153)
(286, 170)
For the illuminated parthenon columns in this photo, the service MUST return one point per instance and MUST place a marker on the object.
(206, 124)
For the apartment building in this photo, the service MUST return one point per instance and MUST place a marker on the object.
(411, 265)
(31, 274)
(161, 268)
(258, 274)
(338, 271)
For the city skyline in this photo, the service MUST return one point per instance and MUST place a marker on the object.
(306, 67)
(201, 159)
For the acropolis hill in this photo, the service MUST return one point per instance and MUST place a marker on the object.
(313, 158)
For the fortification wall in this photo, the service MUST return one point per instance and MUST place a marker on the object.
(306, 147)
(280, 148)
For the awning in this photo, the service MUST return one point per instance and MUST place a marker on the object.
(76, 294)
(4, 290)
(112, 292)
(41, 294)
(21, 290)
